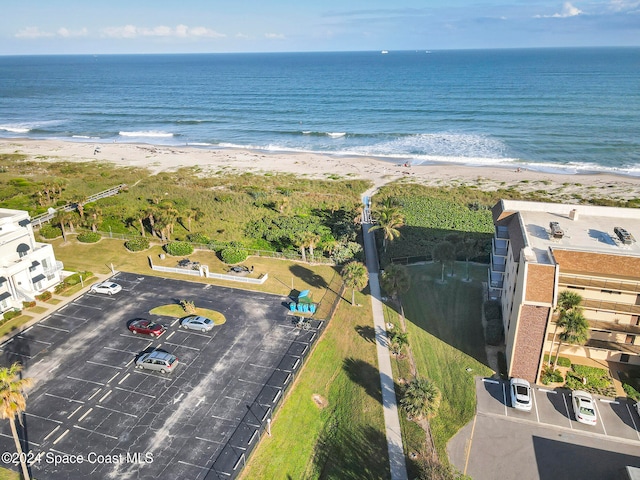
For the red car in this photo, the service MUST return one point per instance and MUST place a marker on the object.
(147, 327)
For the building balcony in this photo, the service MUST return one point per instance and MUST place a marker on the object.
(502, 232)
(614, 327)
(613, 346)
(610, 306)
(497, 265)
(495, 279)
(599, 283)
(499, 247)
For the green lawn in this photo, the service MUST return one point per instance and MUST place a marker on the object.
(339, 435)
(445, 333)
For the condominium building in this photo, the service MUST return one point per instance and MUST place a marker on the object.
(539, 250)
(27, 267)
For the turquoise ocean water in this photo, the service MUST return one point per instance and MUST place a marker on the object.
(561, 110)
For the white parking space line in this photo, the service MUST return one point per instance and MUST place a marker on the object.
(51, 433)
(42, 418)
(249, 381)
(260, 366)
(535, 404)
(547, 391)
(85, 414)
(69, 316)
(85, 305)
(504, 398)
(633, 421)
(170, 335)
(120, 350)
(174, 322)
(600, 417)
(116, 411)
(149, 374)
(108, 381)
(83, 380)
(208, 440)
(191, 332)
(129, 362)
(102, 364)
(52, 328)
(38, 341)
(182, 346)
(94, 394)
(194, 465)
(566, 407)
(63, 398)
(123, 379)
(105, 396)
(61, 436)
(95, 431)
(74, 412)
(137, 393)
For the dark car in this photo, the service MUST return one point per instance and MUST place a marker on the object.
(147, 327)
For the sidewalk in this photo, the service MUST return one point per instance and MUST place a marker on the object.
(397, 461)
(57, 301)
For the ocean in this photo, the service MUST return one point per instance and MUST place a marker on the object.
(557, 110)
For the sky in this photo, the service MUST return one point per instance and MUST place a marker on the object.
(29, 27)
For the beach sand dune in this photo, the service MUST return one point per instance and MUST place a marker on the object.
(559, 187)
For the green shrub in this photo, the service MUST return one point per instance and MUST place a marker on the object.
(562, 361)
(231, 255)
(502, 365)
(28, 304)
(198, 238)
(597, 379)
(137, 244)
(12, 314)
(345, 252)
(493, 333)
(44, 296)
(89, 237)
(549, 376)
(631, 392)
(179, 249)
(492, 309)
(49, 231)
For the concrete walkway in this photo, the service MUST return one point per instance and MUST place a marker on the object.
(389, 403)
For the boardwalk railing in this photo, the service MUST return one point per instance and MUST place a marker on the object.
(38, 220)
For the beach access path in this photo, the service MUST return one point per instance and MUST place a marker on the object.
(395, 448)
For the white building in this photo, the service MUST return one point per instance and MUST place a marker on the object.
(27, 267)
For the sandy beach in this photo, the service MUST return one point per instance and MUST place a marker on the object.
(379, 172)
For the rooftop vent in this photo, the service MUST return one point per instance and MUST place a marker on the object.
(556, 231)
(625, 237)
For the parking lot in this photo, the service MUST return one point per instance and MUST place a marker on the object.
(616, 418)
(546, 443)
(92, 413)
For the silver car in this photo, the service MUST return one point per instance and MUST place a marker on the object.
(520, 394)
(106, 287)
(197, 322)
(162, 362)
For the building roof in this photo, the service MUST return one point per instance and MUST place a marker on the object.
(583, 228)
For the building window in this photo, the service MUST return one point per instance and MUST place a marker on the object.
(630, 339)
(611, 291)
(624, 358)
(635, 320)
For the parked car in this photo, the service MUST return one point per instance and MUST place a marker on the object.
(157, 360)
(637, 405)
(146, 327)
(106, 287)
(197, 322)
(520, 394)
(583, 407)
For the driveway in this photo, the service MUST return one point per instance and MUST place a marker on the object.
(93, 414)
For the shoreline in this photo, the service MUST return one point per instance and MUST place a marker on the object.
(226, 160)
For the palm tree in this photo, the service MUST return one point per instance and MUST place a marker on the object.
(567, 301)
(444, 252)
(13, 403)
(94, 217)
(468, 248)
(389, 219)
(421, 398)
(61, 218)
(398, 341)
(395, 280)
(355, 276)
(575, 330)
(312, 240)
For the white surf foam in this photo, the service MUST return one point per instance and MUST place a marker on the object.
(147, 133)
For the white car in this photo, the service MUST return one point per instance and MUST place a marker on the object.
(106, 287)
(584, 407)
(520, 391)
(197, 322)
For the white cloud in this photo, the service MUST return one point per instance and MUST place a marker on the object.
(624, 5)
(568, 10)
(274, 36)
(32, 32)
(180, 31)
(66, 33)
